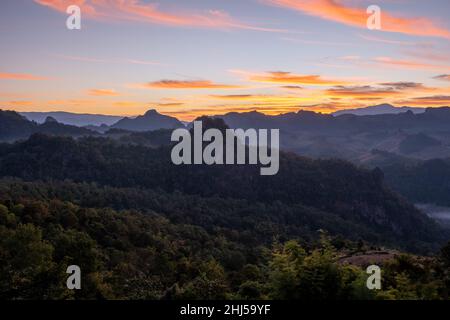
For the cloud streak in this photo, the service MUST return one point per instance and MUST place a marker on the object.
(333, 10)
(437, 100)
(361, 91)
(444, 77)
(408, 64)
(102, 92)
(139, 11)
(21, 76)
(187, 84)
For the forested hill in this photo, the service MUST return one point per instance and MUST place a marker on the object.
(304, 195)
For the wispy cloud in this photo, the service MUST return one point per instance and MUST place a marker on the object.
(265, 99)
(429, 53)
(102, 92)
(19, 103)
(437, 100)
(403, 85)
(357, 17)
(388, 41)
(288, 78)
(186, 84)
(21, 76)
(361, 91)
(317, 42)
(115, 61)
(140, 11)
(292, 88)
(408, 64)
(444, 77)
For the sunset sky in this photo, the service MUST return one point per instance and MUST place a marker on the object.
(191, 57)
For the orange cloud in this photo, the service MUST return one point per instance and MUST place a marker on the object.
(357, 17)
(187, 84)
(102, 92)
(427, 101)
(170, 104)
(136, 10)
(281, 77)
(20, 103)
(20, 76)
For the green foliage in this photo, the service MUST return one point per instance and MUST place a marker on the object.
(140, 228)
(296, 274)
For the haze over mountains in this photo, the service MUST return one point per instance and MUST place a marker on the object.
(423, 135)
(13, 127)
(80, 120)
(366, 139)
(74, 119)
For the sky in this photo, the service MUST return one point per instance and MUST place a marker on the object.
(188, 58)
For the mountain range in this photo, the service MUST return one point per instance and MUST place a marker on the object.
(81, 120)
(74, 119)
(14, 126)
(422, 135)
(378, 109)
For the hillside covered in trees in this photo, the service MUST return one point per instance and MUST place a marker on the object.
(150, 254)
(142, 228)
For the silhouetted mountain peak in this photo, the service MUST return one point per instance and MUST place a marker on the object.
(50, 120)
(212, 123)
(151, 120)
(151, 112)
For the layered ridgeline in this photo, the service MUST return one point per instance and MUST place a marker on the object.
(14, 127)
(422, 135)
(305, 195)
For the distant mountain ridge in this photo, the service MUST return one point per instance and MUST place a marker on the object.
(424, 135)
(14, 126)
(378, 109)
(74, 119)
